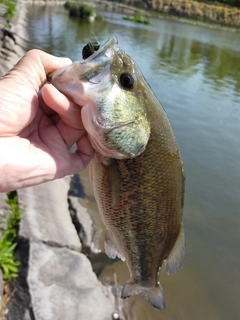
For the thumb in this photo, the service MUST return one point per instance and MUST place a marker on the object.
(34, 67)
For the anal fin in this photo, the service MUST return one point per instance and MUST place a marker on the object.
(174, 261)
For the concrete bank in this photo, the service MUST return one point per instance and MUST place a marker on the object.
(56, 280)
(60, 280)
(12, 48)
(13, 38)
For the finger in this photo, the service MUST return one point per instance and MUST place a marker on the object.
(55, 118)
(78, 161)
(85, 149)
(69, 134)
(45, 108)
(69, 112)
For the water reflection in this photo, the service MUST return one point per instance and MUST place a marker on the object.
(218, 64)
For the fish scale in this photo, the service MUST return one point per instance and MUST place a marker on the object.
(141, 189)
(136, 172)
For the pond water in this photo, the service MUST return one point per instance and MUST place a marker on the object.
(195, 73)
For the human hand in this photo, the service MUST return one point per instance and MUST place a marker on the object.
(37, 130)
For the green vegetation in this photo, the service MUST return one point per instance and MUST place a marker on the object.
(99, 18)
(11, 7)
(79, 10)
(9, 225)
(137, 18)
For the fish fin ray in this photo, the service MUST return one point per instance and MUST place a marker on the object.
(174, 261)
(154, 296)
(91, 172)
(111, 249)
(183, 185)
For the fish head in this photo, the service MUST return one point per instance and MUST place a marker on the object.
(111, 90)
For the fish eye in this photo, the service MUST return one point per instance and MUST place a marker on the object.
(127, 80)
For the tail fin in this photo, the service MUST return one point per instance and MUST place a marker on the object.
(155, 296)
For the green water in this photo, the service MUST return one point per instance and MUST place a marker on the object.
(195, 73)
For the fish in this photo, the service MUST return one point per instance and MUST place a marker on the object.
(136, 172)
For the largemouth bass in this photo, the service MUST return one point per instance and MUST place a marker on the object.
(137, 173)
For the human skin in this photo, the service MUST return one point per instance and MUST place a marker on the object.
(38, 125)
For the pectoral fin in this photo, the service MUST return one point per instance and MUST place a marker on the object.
(111, 248)
(174, 261)
(113, 179)
(91, 173)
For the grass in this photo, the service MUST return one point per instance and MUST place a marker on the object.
(8, 263)
(79, 10)
(9, 225)
(6, 297)
(138, 18)
(11, 8)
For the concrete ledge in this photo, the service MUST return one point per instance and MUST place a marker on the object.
(63, 286)
(46, 216)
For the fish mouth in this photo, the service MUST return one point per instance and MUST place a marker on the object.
(95, 62)
(109, 49)
(73, 80)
